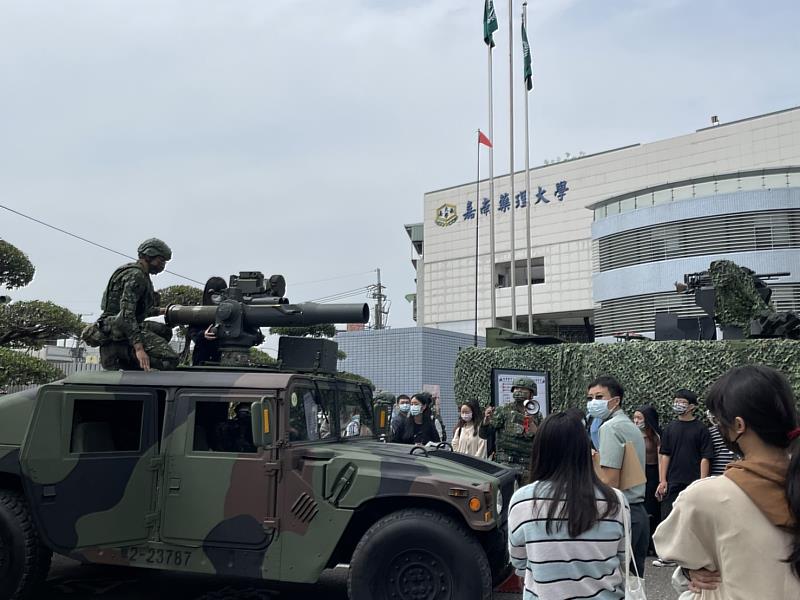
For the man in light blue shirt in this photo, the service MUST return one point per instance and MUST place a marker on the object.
(604, 401)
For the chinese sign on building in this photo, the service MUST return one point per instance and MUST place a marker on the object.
(447, 214)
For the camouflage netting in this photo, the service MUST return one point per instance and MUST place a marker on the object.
(737, 301)
(649, 371)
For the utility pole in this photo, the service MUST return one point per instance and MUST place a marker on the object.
(379, 297)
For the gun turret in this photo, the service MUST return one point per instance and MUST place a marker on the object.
(248, 304)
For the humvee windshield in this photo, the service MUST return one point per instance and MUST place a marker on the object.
(328, 411)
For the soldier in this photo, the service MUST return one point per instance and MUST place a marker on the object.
(126, 340)
(513, 427)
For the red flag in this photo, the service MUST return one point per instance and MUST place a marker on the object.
(482, 139)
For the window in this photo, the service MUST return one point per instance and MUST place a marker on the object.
(308, 420)
(355, 420)
(106, 426)
(221, 426)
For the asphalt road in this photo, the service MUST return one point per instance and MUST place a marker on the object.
(70, 580)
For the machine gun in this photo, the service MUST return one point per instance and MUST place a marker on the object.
(251, 302)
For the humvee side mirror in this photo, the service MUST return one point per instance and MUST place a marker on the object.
(261, 422)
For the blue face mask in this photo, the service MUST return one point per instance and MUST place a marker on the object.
(356, 418)
(416, 409)
(404, 408)
(598, 408)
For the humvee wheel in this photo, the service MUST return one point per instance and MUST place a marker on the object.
(418, 554)
(24, 561)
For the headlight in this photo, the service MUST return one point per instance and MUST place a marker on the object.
(499, 504)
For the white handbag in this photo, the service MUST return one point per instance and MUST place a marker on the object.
(634, 585)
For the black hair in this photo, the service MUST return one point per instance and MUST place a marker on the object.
(650, 415)
(763, 398)
(687, 395)
(562, 456)
(476, 416)
(426, 400)
(403, 397)
(214, 284)
(611, 384)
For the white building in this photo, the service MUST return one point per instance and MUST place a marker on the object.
(612, 232)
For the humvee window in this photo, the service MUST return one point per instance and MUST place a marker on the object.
(106, 426)
(304, 409)
(354, 418)
(218, 427)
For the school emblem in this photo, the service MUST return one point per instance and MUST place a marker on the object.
(446, 215)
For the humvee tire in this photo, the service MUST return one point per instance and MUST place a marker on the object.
(419, 553)
(24, 560)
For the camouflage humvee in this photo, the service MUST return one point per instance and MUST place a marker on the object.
(271, 475)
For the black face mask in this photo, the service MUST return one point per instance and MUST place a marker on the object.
(732, 445)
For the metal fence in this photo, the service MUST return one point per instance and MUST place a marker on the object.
(67, 368)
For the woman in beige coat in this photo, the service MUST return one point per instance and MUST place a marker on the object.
(736, 537)
(465, 437)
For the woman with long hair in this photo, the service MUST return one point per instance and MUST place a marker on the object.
(418, 428)
(566, 528)
(737, 537)
(465, 436)
(646, 419)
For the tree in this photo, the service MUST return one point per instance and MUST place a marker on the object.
(185, 295)
(15, 269)
(259, 357)
(28, 324)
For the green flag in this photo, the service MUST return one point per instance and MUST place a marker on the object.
(489, 22)
(526, 54)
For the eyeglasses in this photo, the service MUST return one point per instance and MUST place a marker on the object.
(712, 419)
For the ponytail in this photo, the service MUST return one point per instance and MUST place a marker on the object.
(793, 496)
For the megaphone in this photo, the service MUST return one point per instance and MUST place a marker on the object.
(531, 407)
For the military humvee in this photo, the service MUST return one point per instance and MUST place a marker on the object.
(241, 471)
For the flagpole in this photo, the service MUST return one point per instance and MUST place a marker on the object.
(477, 218)
(493, 269)
(511, 161)
(527, 184)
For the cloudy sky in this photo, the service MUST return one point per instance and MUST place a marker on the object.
(298, 137)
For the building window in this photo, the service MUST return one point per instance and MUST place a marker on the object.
(503, 271)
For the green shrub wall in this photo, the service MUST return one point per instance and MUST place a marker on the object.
(649, 371)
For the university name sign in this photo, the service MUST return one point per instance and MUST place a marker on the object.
(447, 214)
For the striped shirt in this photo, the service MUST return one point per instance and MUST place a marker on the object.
(556, 566)
(722, 456)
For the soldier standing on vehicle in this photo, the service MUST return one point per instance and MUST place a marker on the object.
(513, 427)
(126, 340)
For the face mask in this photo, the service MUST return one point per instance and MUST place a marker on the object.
(520, 395)
(415, 409)
(598, 408)
(356, 418)
(732, 445)
(466, 417)
(679, 409)
(642, 425)
(404, 408)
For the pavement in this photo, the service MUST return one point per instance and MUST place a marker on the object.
(69, 580)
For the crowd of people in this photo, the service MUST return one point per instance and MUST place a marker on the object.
(719, 503)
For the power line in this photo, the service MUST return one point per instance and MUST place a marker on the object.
(342, 295)
(83, 239)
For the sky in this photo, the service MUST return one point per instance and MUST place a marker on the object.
(298, 137)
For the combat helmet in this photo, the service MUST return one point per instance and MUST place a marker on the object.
(155, 247)
(524, 382)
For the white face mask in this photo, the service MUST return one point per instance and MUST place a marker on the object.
(466, 417)
(416, 409)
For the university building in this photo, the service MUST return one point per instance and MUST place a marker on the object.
(612, 232)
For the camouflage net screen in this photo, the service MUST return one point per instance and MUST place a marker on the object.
(650, 372)
(737, 301)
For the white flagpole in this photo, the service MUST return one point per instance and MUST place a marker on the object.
(527, 183)
(493, 269)
(511, 161)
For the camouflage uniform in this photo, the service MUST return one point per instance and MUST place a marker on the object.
(128, 300)
(513, 431)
